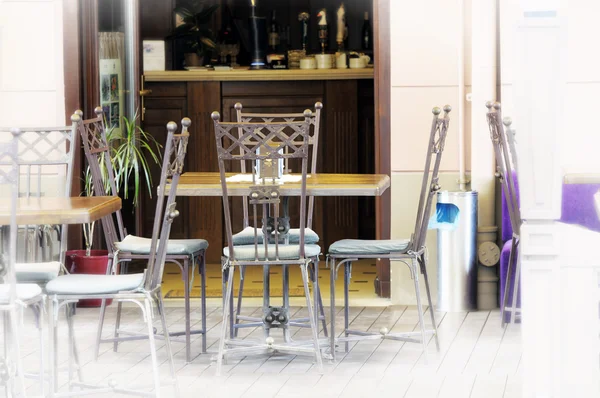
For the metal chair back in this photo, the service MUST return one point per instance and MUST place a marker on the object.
(267, 142)
(98, 154)
(9, 175)
(45, 157)
(313, 142)
(430, 184)
(172, 167)
(505, 165)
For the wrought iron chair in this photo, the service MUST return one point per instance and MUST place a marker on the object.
(142, 289)
(46, 169)
(124, 248)
(13, 295)
(506, 170)
(411, 252)
(246, 236)
(266, 142)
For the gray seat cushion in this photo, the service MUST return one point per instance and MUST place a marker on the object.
(138, 245)
(37, 272)
(84, 284)
(246, 237)
(359, 246)
(286, 252)
(25, 291)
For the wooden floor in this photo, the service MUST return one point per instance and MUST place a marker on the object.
(477, 359)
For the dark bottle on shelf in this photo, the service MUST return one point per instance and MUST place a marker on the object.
(274, 34)
(367, 43)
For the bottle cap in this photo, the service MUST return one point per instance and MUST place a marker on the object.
(366, 15)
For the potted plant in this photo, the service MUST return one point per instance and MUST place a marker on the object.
(192, 21)
(131, 150)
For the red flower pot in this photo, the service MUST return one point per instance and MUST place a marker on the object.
(96, 263)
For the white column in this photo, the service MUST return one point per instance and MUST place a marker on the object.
(539, 80)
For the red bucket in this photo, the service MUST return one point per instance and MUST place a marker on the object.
(96, 263)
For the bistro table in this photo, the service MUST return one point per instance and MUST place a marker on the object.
(59, 210)
(321, 184)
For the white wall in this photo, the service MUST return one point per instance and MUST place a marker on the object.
(580, 141)
(425, 73)
(31, 63)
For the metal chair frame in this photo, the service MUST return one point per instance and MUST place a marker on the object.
(313, 140)
(59, 152)
(96, 148)
(506, 163)
(11, 364)
(147, 294)
(264, 201)
(415, 256)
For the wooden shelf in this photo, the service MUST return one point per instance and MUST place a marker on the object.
(244, 74)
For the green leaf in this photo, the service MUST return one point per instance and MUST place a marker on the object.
(183, 11)
(205, 15)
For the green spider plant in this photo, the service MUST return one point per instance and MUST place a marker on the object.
(131, 151)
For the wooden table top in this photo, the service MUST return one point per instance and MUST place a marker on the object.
(209, 184)
(74, 210)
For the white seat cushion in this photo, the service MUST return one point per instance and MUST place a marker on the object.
(25, 291)
(83, 284)
(37, 272)
(360, 246)
(246, 237)
(286, 252)
(138, 245)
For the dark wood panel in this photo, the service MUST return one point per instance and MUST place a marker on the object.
(366, 155)
(156, 18)
(158, 113)
(205, 214)
(71, 56)
(275, 89)
(340, 144)
(161, 89)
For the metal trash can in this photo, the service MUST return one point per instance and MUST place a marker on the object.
(457, 255)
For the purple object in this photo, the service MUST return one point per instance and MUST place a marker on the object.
(577, 209)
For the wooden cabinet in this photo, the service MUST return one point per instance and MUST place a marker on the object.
(346, 137)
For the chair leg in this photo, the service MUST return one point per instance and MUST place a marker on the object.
(239, 299)
(186, 300)
(311, 317)
(415, 270)
(15, 339)
(511, 257)
(346, 302)
(155, 370)
(513, 308)
(117, 326)
(266, 294)
(40, 324)
(99, 332)
(319, 300)
(203, 299)
(332, 278)
(227, 296)
(431, 309)
(285, 279)
(163, 320)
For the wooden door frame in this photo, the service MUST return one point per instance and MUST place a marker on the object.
(381, 39)
(72, 82)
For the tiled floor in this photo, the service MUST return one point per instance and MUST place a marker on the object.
(477, 359)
